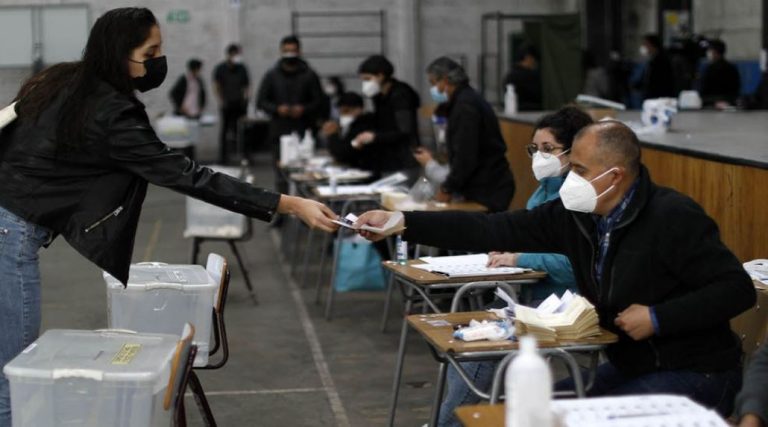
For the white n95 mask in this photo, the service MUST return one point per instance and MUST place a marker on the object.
(579, 195)
(546, 166)
(371, 88)
(346, 120)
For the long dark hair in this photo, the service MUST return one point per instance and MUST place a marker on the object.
(105, 58)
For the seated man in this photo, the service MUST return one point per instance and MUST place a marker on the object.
(720, 81)
(342, 136)
(648, 258)
(752, 402)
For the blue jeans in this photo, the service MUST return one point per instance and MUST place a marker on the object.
(714, 390)
(459, 394)
(19, 294)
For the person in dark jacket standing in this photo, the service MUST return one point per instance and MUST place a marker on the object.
(291, 94)
(648, 258)
(188, 93)
(658, 79)
(396, 107)
(476, 150)
(77, 160)
(342, 136)
(231, 85)
(752, 401)
(525, 76)
(720, 81)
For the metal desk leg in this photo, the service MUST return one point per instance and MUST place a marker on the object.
(321, 274)
(307, 254)
(390, 287)
(334, 267)
(439, 389)
(400, 358)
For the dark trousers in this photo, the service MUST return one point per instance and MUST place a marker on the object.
(716, 390)
(230, 115)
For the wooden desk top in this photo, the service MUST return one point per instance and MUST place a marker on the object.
(481, 415)
(441, 207)
(422, 277)
(441, 335)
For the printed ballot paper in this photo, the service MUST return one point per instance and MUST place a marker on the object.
(391, 226)
(465, 266)
(7, 115)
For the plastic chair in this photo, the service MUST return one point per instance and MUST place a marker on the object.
(218, 269)
(181, 367)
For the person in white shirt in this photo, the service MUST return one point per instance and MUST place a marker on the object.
(188, 93)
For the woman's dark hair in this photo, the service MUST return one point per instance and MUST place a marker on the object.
(105, 58)
(564, 124)
(377, 64)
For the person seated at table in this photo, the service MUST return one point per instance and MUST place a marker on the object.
(549, 148)
(479, 170)
(720, 81)
(342, 136)
(649, 258)
(752, 401)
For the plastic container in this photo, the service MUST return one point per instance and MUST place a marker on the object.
(401, 250)
(161, 298)
(92, 378)
(510, 100)
(528, 391)
(207, 220)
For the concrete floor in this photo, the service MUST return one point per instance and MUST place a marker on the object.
(288, 365)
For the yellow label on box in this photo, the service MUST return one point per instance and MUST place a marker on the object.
(126, 354)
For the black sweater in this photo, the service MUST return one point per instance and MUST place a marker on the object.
(665, 252)
(300, 87)
(397, 127)
(476, 151)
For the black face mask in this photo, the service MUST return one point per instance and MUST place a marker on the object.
(156, 69)
(291, 62)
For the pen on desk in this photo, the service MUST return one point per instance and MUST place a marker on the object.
(440, 272)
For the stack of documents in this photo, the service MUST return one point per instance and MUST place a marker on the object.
(386, 184)
(569, 318)
(465, 266)
(758, 270)
(653, 410)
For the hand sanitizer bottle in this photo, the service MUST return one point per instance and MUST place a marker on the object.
(528, 388)
(510, 100)
(401, 247)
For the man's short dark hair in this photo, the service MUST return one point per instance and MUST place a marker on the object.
(233, 49)
(350, 99)
(617, 144)
(526, 49)
(718, 46)
(291, 39)
(564, 124)
(194, 64)
(653, 40)
(376, 64)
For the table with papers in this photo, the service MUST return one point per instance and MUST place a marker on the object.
(654, 410)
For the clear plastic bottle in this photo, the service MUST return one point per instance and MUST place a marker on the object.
(528, 388)
(401, 247)
(510, 100)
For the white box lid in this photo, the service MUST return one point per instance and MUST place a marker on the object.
(148, 276)
(106, 355)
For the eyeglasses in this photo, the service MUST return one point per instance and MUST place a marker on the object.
(546, 149)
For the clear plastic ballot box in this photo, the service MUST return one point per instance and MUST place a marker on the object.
(92, 378)
(161, 298)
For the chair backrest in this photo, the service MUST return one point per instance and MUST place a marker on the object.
(180, 365)
(752, 325)
(218, 269)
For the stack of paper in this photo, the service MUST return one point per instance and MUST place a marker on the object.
(569, 318)
(465, 266)
(654, 410)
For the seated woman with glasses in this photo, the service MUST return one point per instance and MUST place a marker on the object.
(549, 149)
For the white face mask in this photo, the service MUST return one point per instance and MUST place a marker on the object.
(710, 56)
(579, 195)
(546, 166)
(346, 120)
(371, 88)
(643, 51)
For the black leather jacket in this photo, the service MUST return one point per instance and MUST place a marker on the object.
(93, 196)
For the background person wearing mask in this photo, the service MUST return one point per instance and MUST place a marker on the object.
(720, 81)
(188, 93)
(526, 77)
(649, 258)
(291, 94)
(549, 148)
(341, 136)
(479, 170)
(658, 79)
(231, 85)
(395, 106)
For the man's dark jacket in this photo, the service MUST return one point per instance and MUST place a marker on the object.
(665, 252)
(93, 195)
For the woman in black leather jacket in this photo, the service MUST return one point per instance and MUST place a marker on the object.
(77, 162)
